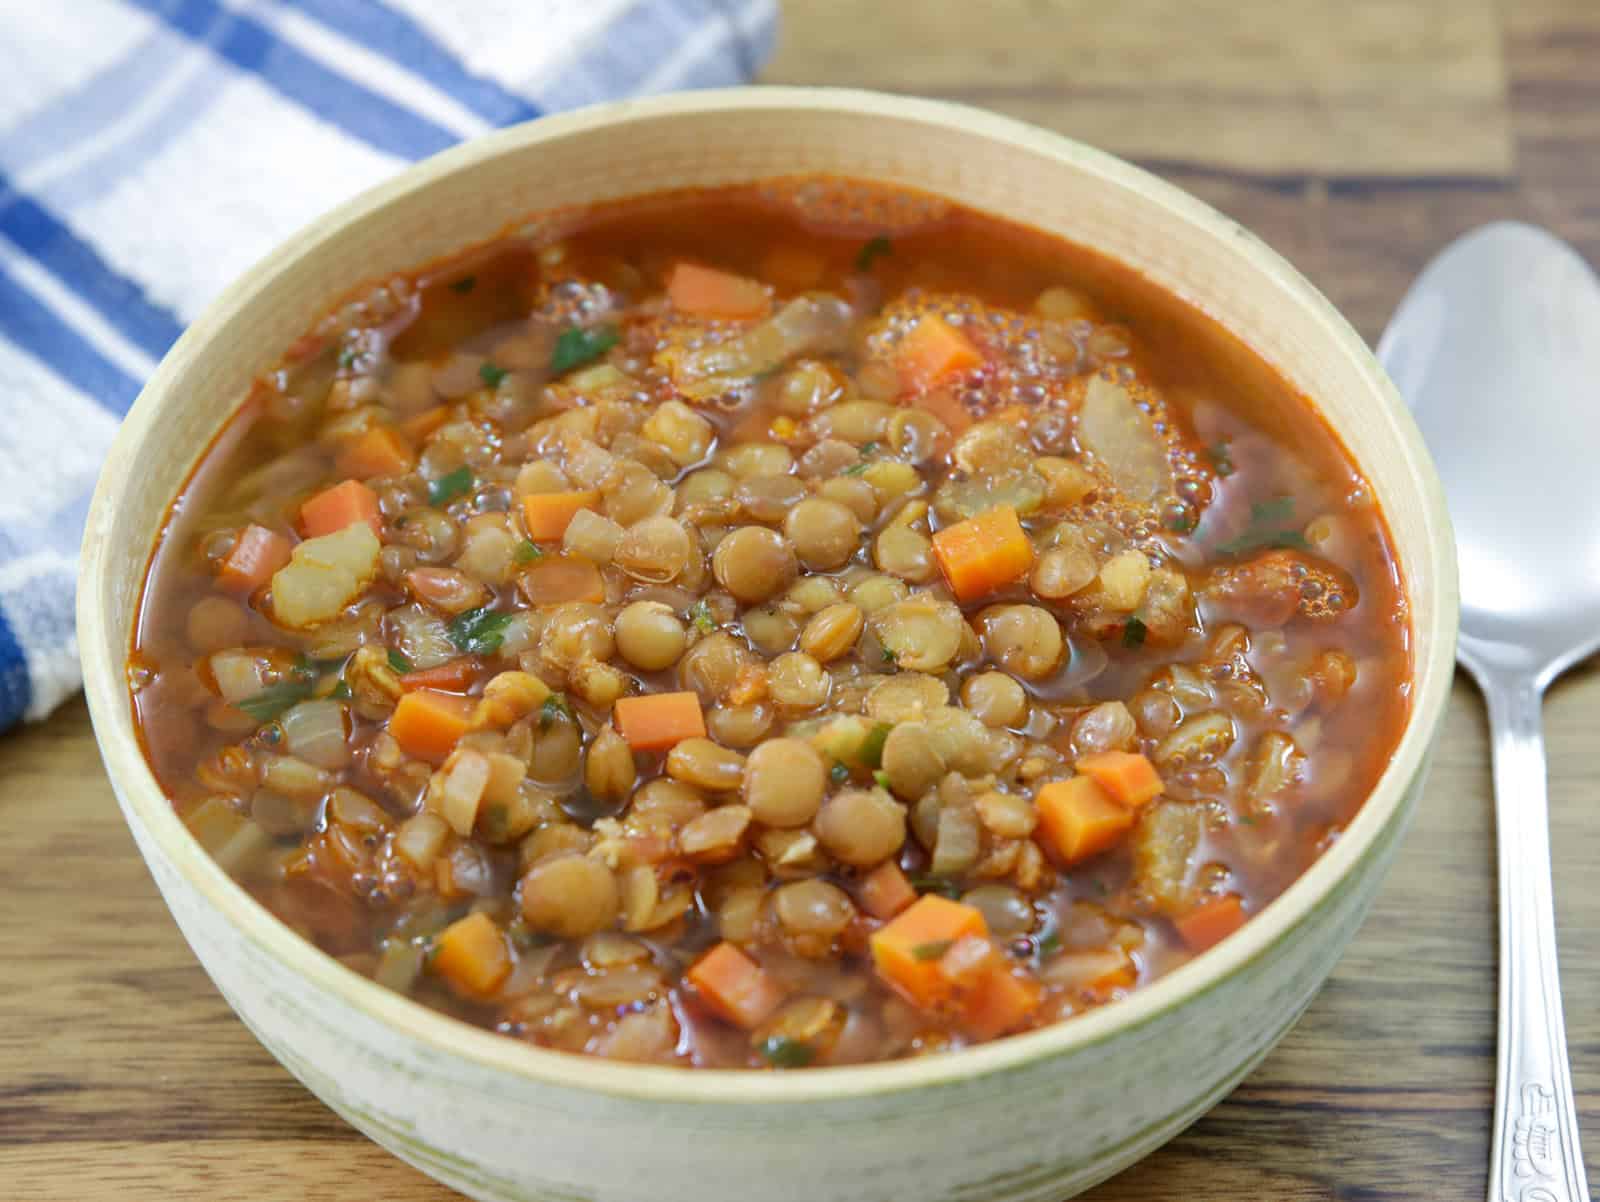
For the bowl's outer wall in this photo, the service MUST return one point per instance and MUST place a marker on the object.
(499, 1121)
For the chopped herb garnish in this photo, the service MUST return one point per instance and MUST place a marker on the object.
(479, 631)
(1133, 633)
(578, 346)
(881, 778)
(554, 709)
(870, 752)
(450, 486)
(856, 469)
(1047, 944)
(1221, 460)
(490, 374)
(781, 1051)
(341, 691)
(1266, 529)
(839, 773)
(464, 285)
(700, 615)
(527, 551)
(936, 884)
(399, 662)
(347, 358)
(873, 250)
(931, 950)
(889, 655)
(868, 449)
(275, 698)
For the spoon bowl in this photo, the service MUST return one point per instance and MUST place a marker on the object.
(1497, 350)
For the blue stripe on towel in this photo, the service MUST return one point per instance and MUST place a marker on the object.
(37, 328)
(382, 30)
(16, 690)
(339, 101)
(79, 267)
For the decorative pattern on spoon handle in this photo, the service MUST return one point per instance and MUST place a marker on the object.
(1536, 1156)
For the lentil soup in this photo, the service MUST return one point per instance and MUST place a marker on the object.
(775, 626)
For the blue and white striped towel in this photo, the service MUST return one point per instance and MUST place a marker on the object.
(151, 150)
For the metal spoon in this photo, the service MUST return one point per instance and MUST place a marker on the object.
(1497, 350)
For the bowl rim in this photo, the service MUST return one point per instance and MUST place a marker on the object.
(1327, 878)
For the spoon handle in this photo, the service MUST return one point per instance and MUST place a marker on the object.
(1536, 1156)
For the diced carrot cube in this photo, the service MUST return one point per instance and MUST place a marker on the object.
(342, 505)
(1000, 1001)
(907, 951)
(984, 553)
(428, 723)
(419, 426)
(734, 987)
(931, 353)
(452, 676)
(381, 451)
(1078, 821)
(707, 292)
(256, 555)
(659, 721)
(884, 891)
(1126, 776)
(471, 954)
(547, 514)
(1211, 922)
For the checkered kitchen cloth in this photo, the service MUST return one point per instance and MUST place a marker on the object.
(151, 150)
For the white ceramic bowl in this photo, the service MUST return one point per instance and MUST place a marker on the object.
(1038, 1116)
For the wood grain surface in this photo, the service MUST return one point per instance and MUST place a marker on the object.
(123, 1074)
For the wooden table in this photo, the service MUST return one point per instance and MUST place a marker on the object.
(1356, 143)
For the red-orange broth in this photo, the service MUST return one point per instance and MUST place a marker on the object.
(805, 624)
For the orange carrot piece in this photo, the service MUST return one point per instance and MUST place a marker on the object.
(933, 352)
(659, 721)
(1000, 1001)
(471, 954)
(256, 555)
(547, 514)
(906, 952)
(419, 426)
(381, 451)
(1209, 923)
(452, 676)
(1126, 776)
(342, 505)
(1078, 821)
(559, 578)
(884, 891)
(707, 292)
(427, 723)
(734, 987)
(983, 553)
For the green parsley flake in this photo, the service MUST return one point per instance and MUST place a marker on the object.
(479, 631)
(700, 615)
(781, 1051)
(870, 753)
(399, 662)
(931, 950)
(450, 486)
(1133, 633)
(1047, 945)
(578, 346)
(873, 250)
(341, 691)
(1266, 529)
(490, 374)
(275, 698)
(881, 778)
(554, 709)
(527, 551)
